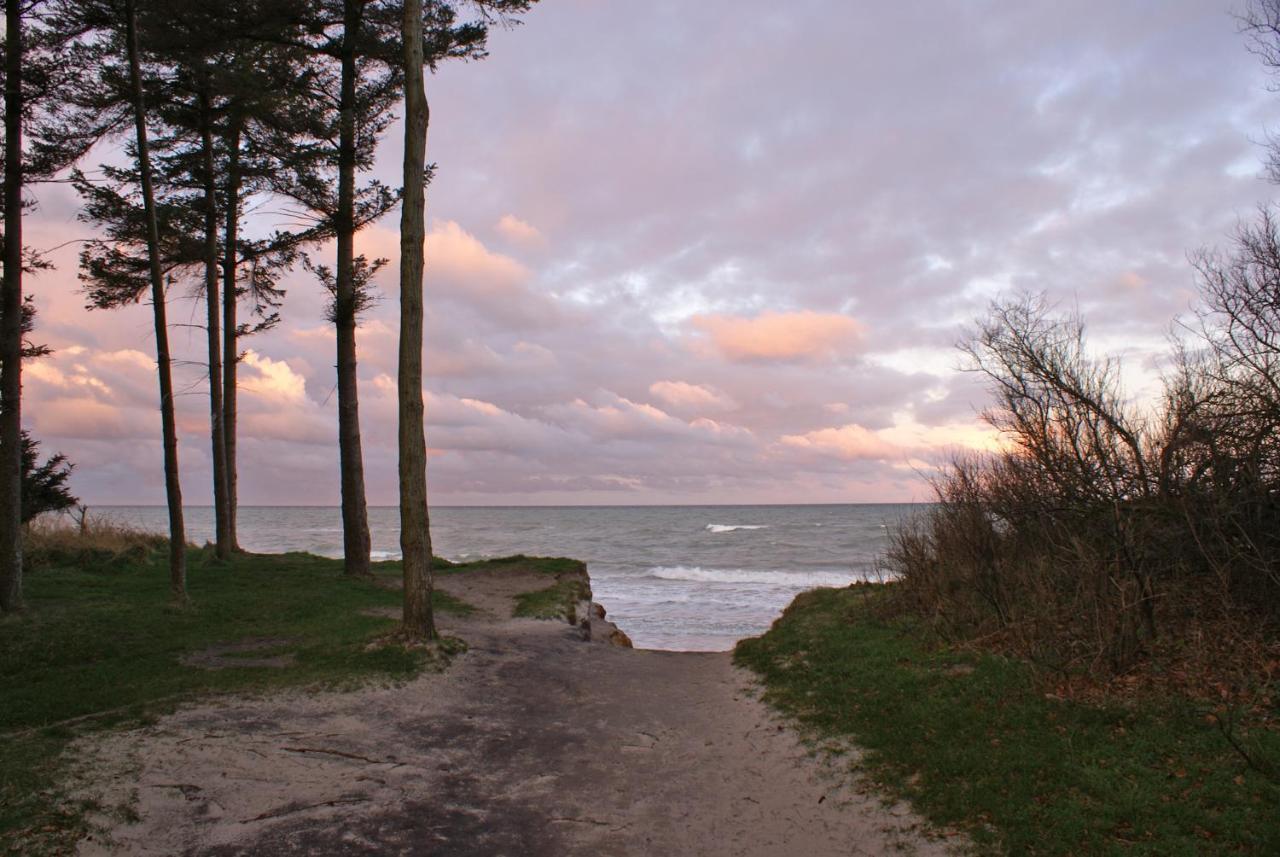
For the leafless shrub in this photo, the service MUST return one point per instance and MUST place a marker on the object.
(1098, 527)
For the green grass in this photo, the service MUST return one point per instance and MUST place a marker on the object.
(551, 565)
(977, 746)
(557, 601)
(100, 646)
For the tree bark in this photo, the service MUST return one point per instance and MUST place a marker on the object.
(230, 340)
(168, 422)
(221, 514)
(415, 533)
(11, 324)
(355, 516)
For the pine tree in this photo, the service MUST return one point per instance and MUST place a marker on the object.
(445, 38)
(44, 484)
(41, 64)
(354, 93)
(415, 530)
(133, 262)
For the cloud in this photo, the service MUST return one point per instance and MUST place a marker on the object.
(681, 394)
(781, 336)
(906, 442)
(640, 288)
(275, 381)
(518, 232)
(458, 261)
(850, 442)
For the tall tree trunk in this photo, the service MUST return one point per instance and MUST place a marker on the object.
(11, 324)
(355, 515)
(415, 533)
(169, 429)
(221, 515)
(230, 340)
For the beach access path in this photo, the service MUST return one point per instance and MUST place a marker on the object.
(534, 742)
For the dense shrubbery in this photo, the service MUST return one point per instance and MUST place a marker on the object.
(1104, 531)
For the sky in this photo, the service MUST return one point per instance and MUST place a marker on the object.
(715, 252)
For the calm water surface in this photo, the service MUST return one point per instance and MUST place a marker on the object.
(693, 578)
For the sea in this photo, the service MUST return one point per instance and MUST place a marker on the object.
(678, 578)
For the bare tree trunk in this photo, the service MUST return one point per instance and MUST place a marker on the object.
(355, 515)
(11, 324)
(415, 533)
(230, 343)
(221, 515)
(169, 429)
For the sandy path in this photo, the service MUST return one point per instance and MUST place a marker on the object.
(533, 743)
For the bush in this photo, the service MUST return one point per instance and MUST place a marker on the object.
(1101, 532)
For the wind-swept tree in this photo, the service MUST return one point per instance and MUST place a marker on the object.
(353, 91)
(11, 319)
(267, 95)
(39, 69)
(357, 47)
(184, 36)
(415, 534)
(168, 415)
(115, 274)
(220, 93)
(446, 38)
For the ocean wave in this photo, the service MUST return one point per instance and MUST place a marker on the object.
(729, 528)
(803, 579)
(378, 556)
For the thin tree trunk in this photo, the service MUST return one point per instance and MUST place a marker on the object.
(415, 533)
(11, 324)
(355, 516)
(222, 537)
(230, 343)
(169, 430)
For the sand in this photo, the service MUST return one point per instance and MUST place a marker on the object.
(534, 742)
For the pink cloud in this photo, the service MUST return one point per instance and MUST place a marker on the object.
(850, 442)
(907, 442)
(803, 336)
(519, 232)
(682, 394)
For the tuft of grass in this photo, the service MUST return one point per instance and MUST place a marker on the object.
(556, 566)
(976, 745)
(100, 646)
(557, 601)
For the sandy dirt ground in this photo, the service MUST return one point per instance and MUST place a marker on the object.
(532, 743)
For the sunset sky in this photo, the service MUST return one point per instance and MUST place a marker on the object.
(716, 251)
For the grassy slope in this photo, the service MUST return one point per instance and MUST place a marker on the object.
(101, 643)
(558, 600)
(977, 746)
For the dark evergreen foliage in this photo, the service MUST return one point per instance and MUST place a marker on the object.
(44, 485)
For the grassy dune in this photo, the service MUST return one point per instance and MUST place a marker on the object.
(979, 746)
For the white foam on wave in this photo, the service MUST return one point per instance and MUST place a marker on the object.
(383, 555)
(798, 579)
(729, 528)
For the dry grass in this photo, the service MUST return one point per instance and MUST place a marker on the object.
(92, 542)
